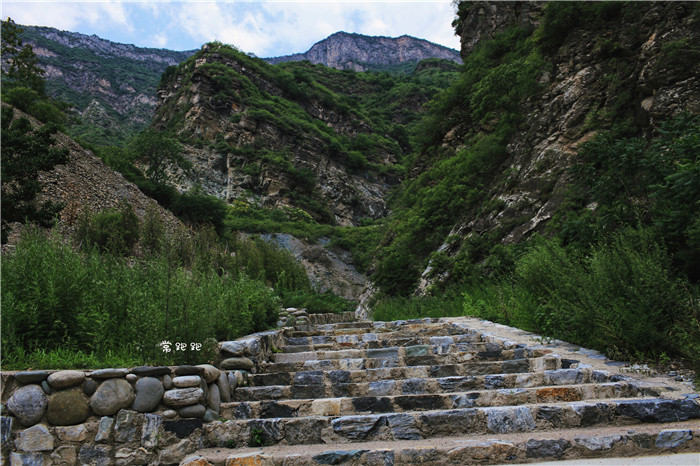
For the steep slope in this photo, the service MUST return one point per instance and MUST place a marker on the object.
(112, 86)
(538, 83)
(358, 52)
(276, 137)
(86, 184)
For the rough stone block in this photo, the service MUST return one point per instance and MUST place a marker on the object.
(452, 422)
(35, 438)
(338, 457)
(72, 433)
(105, 430)
(26, 459)
(673, 438)
(546, 448)
(125, 426)
(149, 432)
(358, 427)
(404, 427)
(304, 431)
(507, 420)
(94, 455)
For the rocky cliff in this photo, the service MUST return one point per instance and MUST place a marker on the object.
(251, 134)
(627, 67)
(358, 52)
(112, 86)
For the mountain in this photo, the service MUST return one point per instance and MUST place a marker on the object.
(112, 86)
(293, 135)
(519, 146)
(346, 51)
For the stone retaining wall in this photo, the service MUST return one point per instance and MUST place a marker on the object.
(142, 415)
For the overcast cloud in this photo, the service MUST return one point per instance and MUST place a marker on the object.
(263, 28)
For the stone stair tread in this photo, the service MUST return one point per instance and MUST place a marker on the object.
(415, 425)
(400, 403)
(340, 384)
(404, 354)
(521, 447)
(476, 367)
(507, 379)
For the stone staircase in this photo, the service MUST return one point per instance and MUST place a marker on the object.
(447, 391)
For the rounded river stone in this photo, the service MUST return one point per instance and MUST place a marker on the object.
(183, 396)
(237, 363)
(185, 381)
(197, 411)
(65, 379)
(211, 373)
(28, 404)
(111, 396)
(67, 408)
(149, 392)
(27, 377)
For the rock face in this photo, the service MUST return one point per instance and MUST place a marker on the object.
(358, 52)
(262, 159)
(483, 20)
(85, 65)
(532, 182)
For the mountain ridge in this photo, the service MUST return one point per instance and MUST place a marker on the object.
(367, 53)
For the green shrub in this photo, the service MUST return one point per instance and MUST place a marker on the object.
(115, 231)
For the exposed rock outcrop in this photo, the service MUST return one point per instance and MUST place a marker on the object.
(358, 52)
(239, 139)
(628, 66)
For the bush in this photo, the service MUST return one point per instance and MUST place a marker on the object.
(115, 231)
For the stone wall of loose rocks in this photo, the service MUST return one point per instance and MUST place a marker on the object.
(142, 415)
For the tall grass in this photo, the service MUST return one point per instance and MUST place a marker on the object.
(57, 300)
(620, 297)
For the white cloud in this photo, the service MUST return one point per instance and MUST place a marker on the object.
(68, 15)
(266, 28)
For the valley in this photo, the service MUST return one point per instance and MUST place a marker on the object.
(558, 148)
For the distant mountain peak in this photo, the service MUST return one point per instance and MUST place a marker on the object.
(345, 50)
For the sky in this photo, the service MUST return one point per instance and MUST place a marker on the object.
(265, 28)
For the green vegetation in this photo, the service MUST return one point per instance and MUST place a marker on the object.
(23, 84)
(64, 307)
(617, 271)
(496, 76)
(25, 152)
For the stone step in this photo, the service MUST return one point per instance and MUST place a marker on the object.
(597, 442)
(384, 381)
(441, 423)
(521, 367)
(408, 355)
(379, 340)
(427, 400)
(434, 365)
(319, 384)
(422, 326)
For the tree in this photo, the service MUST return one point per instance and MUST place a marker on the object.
(159, 151)
(23, 68)
(25, 152)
